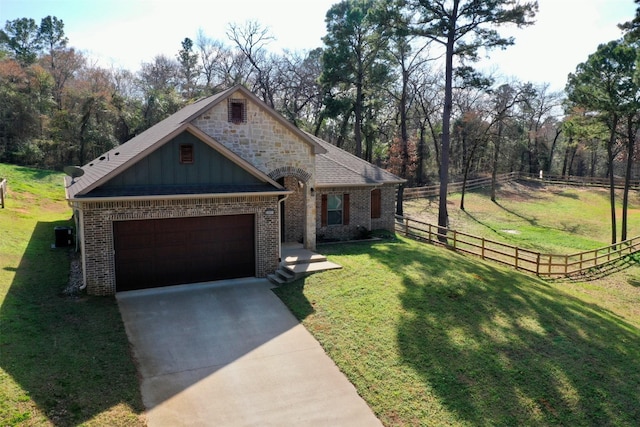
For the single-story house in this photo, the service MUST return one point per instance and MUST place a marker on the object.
(212, 191)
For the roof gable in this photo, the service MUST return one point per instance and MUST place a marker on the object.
(122, 157)
(122, 171)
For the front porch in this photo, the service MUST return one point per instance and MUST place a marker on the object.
(297, 261)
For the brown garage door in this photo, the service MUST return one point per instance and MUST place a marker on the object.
(163, 252)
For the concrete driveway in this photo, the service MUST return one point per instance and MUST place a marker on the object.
(231, 354)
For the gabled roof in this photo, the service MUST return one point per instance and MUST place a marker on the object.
(334, 166)
(115, 161)
(339, 168)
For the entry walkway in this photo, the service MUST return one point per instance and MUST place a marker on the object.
(231, 354)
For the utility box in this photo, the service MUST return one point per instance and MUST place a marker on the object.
(64, 236)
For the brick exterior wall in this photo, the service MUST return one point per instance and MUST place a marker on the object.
(359, 212)
(294, 211)
(388, 210)
(98, 217)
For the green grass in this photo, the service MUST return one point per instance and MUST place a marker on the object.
(64, 361)
(429, 337)
(550, 219)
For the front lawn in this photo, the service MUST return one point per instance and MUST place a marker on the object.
(429, 337)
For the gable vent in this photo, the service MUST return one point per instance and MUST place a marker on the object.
(237, 110)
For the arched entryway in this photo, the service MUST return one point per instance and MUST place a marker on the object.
(297, 211)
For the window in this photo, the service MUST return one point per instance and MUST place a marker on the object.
(335, 209)
(186, 154)
(237, 110)
(376, 203)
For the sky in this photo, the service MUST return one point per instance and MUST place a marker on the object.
(126, 33)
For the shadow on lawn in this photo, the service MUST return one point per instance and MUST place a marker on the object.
(70, 355)
(504, 349)
(500, 348)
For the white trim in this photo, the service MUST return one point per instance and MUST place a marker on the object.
(179, 196)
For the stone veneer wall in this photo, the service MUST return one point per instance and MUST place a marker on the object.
(268, 145)
(262, 140)
(98, 217)
(359, 212)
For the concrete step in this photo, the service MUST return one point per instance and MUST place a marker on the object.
(276, 280)
(303, 256)
(311, 267)
(285, 274)
(299, 262)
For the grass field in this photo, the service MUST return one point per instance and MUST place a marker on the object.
(64, 359)
(430, 337)
(548, 219)
(427, 336)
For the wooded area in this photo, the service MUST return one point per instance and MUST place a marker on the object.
(378, 88)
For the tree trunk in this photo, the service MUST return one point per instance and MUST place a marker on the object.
(420, 171)
(627, 176)
(443, 216)
(552, 151)
(357, 128)
(612, 189)
(399, 199)
(467, 168)
(494, 166)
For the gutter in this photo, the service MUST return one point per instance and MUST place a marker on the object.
(177, 196)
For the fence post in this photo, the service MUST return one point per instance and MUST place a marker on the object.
(538, 264)
(581, 261)
(455, 238)
(517, 257)
(429, 237)
(406, 227)
(566, 264)
(483, 248)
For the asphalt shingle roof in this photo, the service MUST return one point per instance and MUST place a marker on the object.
(339, 168)
(334, 166)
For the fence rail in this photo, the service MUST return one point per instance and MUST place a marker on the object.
(3, 192)
(456, 187)
(453, 187)
(540, 264)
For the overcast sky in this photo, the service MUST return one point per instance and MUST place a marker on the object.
(125, 33)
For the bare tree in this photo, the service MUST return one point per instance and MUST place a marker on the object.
(252, 39)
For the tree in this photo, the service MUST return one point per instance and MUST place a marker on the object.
(605, 84)
(300, 96)
(214, 57)
(158, 81)
(408, 59)
(22, 38)
(252, 39)
(51, 35)
(60, 61)
(353, 58)
(462, 28)
(189, 69)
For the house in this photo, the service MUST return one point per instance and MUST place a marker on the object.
(211, 192)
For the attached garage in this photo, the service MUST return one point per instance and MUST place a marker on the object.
(162, 252)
